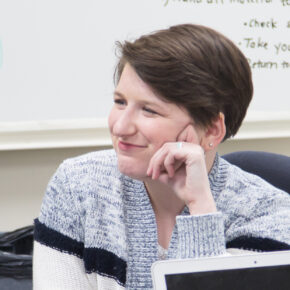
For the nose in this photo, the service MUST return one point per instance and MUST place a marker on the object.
(125, 124)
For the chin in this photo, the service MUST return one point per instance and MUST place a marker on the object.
(132, 169)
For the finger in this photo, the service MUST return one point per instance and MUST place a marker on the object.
(153, 161)
(156, 171)
(189, 134)
(149, 169)
(169, 162)
(192, 135)
(164, 178)
(157, 161)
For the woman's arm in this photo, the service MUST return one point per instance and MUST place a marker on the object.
(58, 246)
(183, 169)
(200, 235)
(53, 269)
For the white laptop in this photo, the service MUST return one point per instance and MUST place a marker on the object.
(259, 271)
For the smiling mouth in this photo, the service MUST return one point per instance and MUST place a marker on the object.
(126, 146)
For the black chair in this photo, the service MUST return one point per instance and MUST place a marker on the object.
(16, 249)
(272, 167)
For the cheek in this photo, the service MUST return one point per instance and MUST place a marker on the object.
(159, 134)
(112, 119)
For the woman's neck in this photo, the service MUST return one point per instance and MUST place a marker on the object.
(166, 206)
(164, 201)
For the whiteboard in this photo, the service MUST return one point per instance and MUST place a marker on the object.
(57, 57)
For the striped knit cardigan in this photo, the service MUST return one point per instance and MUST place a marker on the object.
(97, 228)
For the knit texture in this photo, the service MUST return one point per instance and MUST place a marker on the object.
(105, 218)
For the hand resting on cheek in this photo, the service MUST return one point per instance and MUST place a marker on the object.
(183, 169)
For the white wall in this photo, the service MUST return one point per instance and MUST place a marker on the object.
(57, 57)
(24, 175)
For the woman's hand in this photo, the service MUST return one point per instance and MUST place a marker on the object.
(182, 166)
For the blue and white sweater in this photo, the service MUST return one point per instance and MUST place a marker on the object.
(97, 228)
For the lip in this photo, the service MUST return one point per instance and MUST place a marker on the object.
(128, 146)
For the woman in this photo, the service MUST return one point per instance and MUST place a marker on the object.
(163, 192)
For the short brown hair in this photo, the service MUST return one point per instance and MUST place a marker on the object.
(194, 67)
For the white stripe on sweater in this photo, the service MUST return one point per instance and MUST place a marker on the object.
(55, 270)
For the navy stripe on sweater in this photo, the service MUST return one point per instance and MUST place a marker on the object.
(95, 260)
(257, 244)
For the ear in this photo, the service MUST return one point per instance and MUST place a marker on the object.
(214, 134)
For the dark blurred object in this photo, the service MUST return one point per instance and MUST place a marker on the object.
(16, 249)
(274, 168)
(18, 241)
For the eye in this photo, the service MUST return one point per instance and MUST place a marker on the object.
(148, 110)
(119, 102)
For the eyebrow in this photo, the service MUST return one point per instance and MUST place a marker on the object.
(143, 101)
(118, 94)
(155, 106)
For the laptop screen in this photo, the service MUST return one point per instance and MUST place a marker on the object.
(264, 278)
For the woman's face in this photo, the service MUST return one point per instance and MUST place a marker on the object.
(140, 123)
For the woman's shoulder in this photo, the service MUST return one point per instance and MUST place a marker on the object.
(86, 173)
(78, 186)
(96, 162)
(91, 158)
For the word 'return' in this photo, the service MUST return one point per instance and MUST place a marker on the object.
(269, 65)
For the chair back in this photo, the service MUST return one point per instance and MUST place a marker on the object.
(272, 167)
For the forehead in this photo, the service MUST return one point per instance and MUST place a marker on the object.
(130, 82)
(131, 85)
